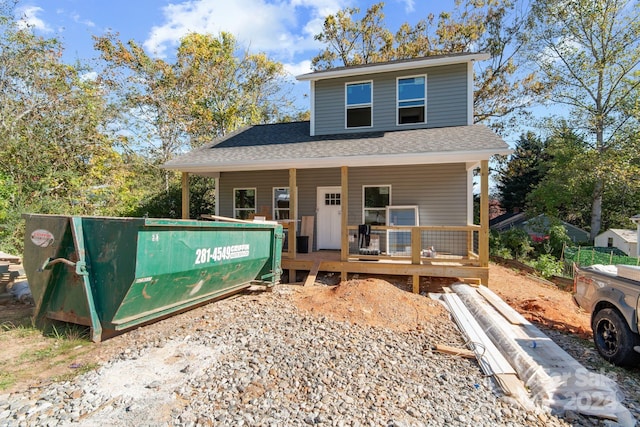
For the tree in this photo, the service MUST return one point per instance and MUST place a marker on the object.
(490, 26)
(522, 173)
(225, 89)
(55, 156)
(208, 91)
(588, 52)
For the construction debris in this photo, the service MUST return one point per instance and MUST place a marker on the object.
(555, 379)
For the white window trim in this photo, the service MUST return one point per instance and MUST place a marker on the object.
(397, 108)
(273, 200)
(255, 197)
(363, 200)
(347, 107)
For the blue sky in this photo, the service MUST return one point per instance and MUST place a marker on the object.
(284, 29)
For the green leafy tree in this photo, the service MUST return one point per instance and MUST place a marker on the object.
(226, 89)
(588, 53)
(55, 156)
(522, 173)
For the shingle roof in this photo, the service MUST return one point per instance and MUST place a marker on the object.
(289, 144)
(629, 236)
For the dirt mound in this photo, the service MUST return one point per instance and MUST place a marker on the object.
(547, 305)
(371, 302)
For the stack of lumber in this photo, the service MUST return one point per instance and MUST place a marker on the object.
(9, 270)
(515, 348)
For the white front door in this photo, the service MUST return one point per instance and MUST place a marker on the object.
(329, 212)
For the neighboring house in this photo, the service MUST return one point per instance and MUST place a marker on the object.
(625, 240)
(537, 227)
(384, 167)
(636, 220)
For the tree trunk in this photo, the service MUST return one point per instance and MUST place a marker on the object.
(596, 209)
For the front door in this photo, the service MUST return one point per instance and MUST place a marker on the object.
(329, 212)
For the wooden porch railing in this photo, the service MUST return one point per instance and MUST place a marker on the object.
(419, 244)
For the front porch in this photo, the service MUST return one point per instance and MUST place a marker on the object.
(416, 260)
(415, 251)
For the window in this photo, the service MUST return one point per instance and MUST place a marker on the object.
(411, 99)
(358, 104)
(244, 203)
(281, 204)
(610, 242)
(332, 199)
(375, 200)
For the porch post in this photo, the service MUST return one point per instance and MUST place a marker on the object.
(293, 209)
(483, 244)
(185, 195)
(344, 207)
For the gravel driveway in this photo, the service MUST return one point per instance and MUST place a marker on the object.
(256, 360)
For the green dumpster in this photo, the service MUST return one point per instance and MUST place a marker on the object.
(116, 273)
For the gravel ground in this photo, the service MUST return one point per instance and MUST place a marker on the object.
(256, 360)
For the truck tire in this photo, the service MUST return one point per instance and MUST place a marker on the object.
(613, 338)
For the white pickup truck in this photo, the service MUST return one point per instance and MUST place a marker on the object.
(612, 295)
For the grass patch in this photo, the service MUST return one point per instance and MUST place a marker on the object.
(6, 380)
(77, 372)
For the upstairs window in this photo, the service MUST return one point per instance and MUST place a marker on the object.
(412, 96)
(358, 104)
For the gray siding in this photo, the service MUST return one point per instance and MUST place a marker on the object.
(446, 100)
(440, 191)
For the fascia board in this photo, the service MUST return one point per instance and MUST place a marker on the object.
(387, 67)
(351, 161)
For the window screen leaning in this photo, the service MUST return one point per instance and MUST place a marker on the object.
(411, 100)
(358, 104)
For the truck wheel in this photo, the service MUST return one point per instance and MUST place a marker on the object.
(613, 338)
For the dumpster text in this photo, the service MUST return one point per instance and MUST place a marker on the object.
(220, 253)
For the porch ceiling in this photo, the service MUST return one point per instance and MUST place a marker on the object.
(289, 145)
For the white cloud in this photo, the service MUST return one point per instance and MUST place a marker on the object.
(296, 69)
(76, 18)
(409, 5)
(90, 76)
(27, 18)
(283, 27)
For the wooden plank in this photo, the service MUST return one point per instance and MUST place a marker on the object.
(185, 195)
(483, 237)
(344, 215)
(311, 278)
(455, 351)
(502, 307)
(306, 229)
(416, 284)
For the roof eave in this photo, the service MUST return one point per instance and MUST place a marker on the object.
(394, 66)
(350, 161)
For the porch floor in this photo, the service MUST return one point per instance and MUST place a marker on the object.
(329, 261)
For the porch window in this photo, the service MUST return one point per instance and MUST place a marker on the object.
(358, 104)
(244, 203)
(281, 209)
(375, 200)
(412, 96)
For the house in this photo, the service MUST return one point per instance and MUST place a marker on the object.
(625, 240)
(384, 168)
(537, 227)
(636, 220)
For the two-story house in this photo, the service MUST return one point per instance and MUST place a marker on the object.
(383, 171)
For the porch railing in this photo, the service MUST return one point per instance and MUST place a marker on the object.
(418, 244)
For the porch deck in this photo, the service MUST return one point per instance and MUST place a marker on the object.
(440, 266)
